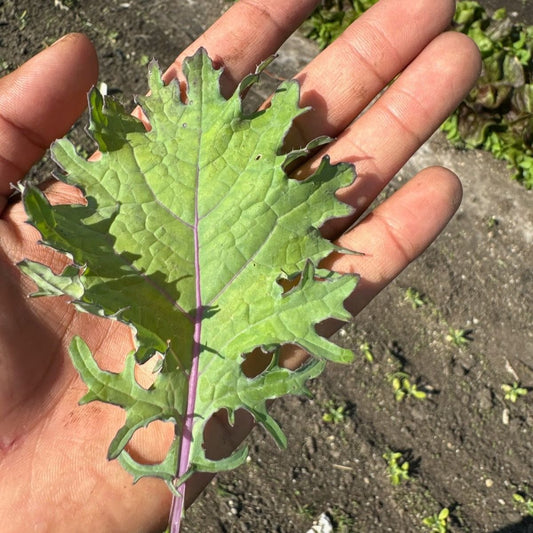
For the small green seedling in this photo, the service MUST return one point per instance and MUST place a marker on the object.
(342, 521)
(415, 298)
(23, 20)
(397, 467)
(402, 387)
(438, 523)
(513, 392)
(335, 414)
(524, 502)
(367, 351)
(223, 491)
(459, 337)
(492, 223)
(307, 511)
(143, 60)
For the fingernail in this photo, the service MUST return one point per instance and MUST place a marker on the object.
(65, 37)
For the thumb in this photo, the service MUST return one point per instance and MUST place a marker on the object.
(40, 101)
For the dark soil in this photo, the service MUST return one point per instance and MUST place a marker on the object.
(468, 448)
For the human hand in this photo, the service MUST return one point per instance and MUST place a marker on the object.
(52, 453)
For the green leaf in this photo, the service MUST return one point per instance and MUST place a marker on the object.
(50, 284)
(109, 123)
(189, 233)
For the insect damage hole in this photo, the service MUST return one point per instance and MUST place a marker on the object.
(157, 437)
(221, 437)
(255, 362)
(290, 356)
(145, 375)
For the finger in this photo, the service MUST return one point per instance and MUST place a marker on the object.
(381, 141)
(40, 101)
(397, 232)
(249, 32)
(343, 79)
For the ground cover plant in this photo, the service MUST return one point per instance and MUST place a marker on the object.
(497, 115)
(194, 235)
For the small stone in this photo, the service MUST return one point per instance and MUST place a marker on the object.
(322, 525)
(505, 417)
(310, 446)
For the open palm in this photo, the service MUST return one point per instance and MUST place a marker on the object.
(53, 470)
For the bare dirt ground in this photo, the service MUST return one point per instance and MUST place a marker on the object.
(469, 449)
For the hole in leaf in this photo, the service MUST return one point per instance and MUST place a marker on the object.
(292, 356)
(221, 438)
(288, 283)
(150, 445)
(255, 362)
(144, 374)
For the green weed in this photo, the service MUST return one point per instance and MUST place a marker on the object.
(342, 521)
(492, 223)
(397, 467)
(143, 60)
(223, 491)
(335, 414)
(524, 502)
(403, 387)
(459, 337)
(366, 350)
(438, 523)
(513, 392)
(23, 20)
(307, 511)
(414, 298)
